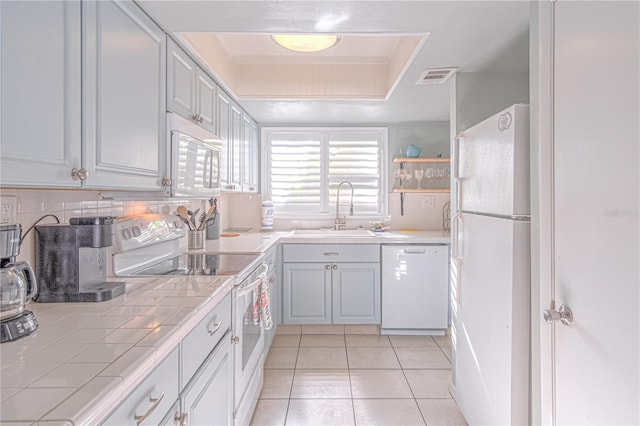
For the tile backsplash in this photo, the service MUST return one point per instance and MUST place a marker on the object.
(237, 210)
(33, 204)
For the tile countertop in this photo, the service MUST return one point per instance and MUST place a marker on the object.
(259, 242)
(86, 357)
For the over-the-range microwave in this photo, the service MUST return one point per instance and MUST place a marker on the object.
(194, 159)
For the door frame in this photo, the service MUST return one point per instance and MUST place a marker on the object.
(542, 407)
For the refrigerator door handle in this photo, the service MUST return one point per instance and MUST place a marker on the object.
(456, 260)
(455, 243)
(456, 169)
(456, 153)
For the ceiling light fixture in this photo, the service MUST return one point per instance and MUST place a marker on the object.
(306, 43)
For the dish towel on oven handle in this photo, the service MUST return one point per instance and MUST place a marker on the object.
(261, 307)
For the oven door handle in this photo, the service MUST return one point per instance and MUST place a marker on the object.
(248, 288)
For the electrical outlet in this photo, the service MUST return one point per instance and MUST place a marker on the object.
(8, 212)
(428, 201)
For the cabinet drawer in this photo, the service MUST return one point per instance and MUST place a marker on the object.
(199, 343)
(161, 383)
(331, 253)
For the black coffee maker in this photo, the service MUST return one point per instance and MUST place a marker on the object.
(71, 261)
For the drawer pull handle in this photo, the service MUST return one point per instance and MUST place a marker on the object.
(154, 404)
(331, 253)
(216, 326)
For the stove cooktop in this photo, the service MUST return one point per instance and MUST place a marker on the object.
(199, 264)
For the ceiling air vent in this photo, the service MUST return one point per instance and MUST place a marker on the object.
(436, 76)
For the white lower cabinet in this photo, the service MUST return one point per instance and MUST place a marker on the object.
(331, 284)
(193, 385)
(208, 399)
(152, 399)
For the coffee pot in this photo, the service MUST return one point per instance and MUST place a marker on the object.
(17, 286)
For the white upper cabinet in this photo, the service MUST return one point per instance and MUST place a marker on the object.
(181, 81)
(40, 79)
(206, 99)
(236, 145)
(251, 150)
(224, 111)
(191, 93)
(124, 97)
(84, 93)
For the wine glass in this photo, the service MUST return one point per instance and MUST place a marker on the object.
(401, 174)
(419, 175)
(396, 175)
(407, 178)
(439, 176)
(430, 175)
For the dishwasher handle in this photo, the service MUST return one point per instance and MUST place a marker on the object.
(414, 251)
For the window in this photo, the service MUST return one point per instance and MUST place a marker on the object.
(304, 166)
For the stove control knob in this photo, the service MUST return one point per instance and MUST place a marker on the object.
(136, 231)
(126, 234)
(178, 223)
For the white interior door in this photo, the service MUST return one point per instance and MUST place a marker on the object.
(594, 365)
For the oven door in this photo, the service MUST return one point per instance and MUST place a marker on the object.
(249, 334)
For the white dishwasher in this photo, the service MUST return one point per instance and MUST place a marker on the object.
(415, 283)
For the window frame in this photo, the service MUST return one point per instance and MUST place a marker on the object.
(265, 155)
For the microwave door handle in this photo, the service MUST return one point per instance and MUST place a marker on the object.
(207, 169)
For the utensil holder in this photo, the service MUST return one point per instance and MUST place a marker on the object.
(196, 240)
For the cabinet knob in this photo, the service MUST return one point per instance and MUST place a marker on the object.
(196, 118)
(235, 340)
(327, 267)
(166, 182)
(181, 419)
(79, 174)
(335, 267)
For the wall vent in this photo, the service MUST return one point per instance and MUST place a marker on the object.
(436, 76)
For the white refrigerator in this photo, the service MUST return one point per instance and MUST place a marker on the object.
(491, 270)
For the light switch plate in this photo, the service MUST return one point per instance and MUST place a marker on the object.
(9, 205)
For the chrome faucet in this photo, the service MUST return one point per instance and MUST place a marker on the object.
(339, 223)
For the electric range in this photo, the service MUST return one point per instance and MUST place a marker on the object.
(149, 244)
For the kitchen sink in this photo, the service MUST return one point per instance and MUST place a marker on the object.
(323, 233)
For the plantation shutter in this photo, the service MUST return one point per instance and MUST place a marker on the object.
(304, 168)
(355, 158)
(296, 172)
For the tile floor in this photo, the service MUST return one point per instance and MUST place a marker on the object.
(351, 375)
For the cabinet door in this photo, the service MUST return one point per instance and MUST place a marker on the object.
(224, 111)
(155, 396)
(307, 293)
(209, 401)
(250, 170)
(40, 80)
(356, 293)
(206, 99)
(236, 149)
(124, 97)
(181, 81)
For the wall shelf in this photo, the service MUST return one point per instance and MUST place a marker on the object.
(402, 191)
(422, 191)
(421, 160)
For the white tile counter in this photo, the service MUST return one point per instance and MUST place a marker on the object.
(390, 237)
(86, 357)
(259, 242)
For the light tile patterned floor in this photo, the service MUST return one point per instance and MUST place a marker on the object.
(350, 375)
